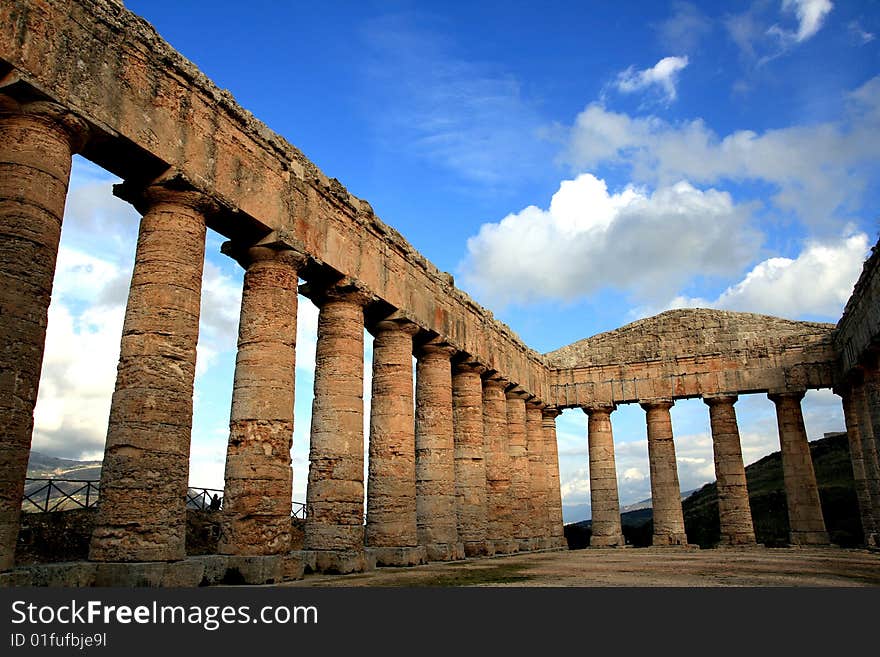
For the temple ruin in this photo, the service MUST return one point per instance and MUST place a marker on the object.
(462, 461)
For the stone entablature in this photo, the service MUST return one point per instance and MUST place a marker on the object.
(690, 353)
(858, 331)
(151, 110)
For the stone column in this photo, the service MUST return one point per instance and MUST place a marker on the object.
(495, 443)
(665, 491)
(539, 518)
(258, 489)
(334, 529)
(37, 141)
(805, 518)
(470, 465)
(435, 454)
(859, 435)
(392, 536)
(554, 494)
(730, 473)
(872, 401)
(604, 498)
(517, 446)
(141, 510)
(869, 432)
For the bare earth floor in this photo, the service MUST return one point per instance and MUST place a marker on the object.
(635, 567)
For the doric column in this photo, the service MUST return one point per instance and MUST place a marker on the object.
(500, 513)
(391, 492)
(860, 435)
(334, 527)
(141, 511)
(37, 141)
(539, 519)
(435, 453)
(807, 525)
(554, 491)
(872, 401)
(517, 447)
(604, 498)
(258, 489)
(471, 502)
(870, 430)
(665, 491)
(730, 473)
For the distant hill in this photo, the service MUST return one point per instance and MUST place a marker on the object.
(41, 466)
(831, 461)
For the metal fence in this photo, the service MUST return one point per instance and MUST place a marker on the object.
(44, 495)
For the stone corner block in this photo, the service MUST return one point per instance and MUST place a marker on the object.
(445, 551)
(335, 562)
(399, 556)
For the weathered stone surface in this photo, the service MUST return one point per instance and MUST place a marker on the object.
(665, 491)
(870, 410)
(37, 141)
(399, 556)
(335, 495)
(517, 446)
(730, 473)
(539, 517)
(859, 433)
(257, 494)
(435, 454)
(141, 514)
(557, 536)
(391, 493)
(801, 492)
(604, 499)
(499, 513)
(471, 500)
(858, 330)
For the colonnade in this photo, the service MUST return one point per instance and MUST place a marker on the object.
(462, 463)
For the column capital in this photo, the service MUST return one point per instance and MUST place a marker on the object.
(394, 322)
(436, 347)
(170, 188)
(344, 289)
(550, 412)
(250, 255)
(777, 396)
(494, 380)
(53, 114)
(535, 403)
(650, 404)
(469, 366)
(599, 408)
(515, 391)
(713, 400)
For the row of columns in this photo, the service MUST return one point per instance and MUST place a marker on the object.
(807, 525)
(465, 464)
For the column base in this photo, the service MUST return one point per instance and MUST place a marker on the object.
(398, 556)
(540, 543)
(872, 540)
(558, 543)
(504, 546)
(337, 562)
(526, 544)
(607, 541)
(474, 549)
(666, 540)
(445, 551)
(808, 538)
(737, 540)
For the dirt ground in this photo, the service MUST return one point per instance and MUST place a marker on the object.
(634, 567)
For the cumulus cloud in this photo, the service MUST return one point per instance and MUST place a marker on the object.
(817, 170)
(589, 238)
(817, 283)
(810, 15)
(663, 76)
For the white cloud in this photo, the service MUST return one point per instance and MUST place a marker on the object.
(810, 14)
(685, 28)
(817, 170)
(861, 35)
(663, 75)
(816, 283)
(589, 238)
(633, 474)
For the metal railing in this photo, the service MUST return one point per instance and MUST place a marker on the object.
(46, 494)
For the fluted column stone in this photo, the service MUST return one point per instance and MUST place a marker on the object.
(860, 434)
(259, 479)
(435, 453)
(141, 511)
(517, 446)
(37, 142)
(604, 497)
(334, 529)
(539, 521)
(554, 491)
(392, 536)
(807, 524)
(665, 490)
(497, 454)
(471, 501)
(734, 511)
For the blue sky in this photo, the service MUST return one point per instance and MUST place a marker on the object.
(576, 166)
